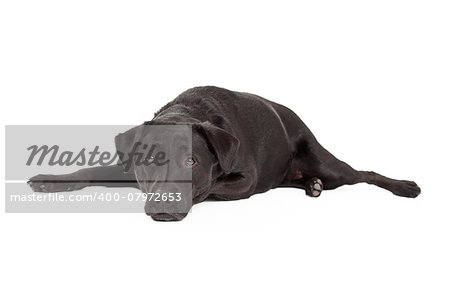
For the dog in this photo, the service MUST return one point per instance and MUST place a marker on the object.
(241, 145)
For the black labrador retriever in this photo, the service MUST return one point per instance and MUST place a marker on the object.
(242, 144)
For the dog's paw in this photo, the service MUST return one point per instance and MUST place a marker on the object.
(314, 187)
(50, 184)
(407, 189)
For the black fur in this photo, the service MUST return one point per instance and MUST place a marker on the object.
(272, 148)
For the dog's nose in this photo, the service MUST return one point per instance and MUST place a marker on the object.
(165, 217)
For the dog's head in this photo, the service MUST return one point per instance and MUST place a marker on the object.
(176, 165)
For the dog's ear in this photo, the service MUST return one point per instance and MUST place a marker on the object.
(125, 146)
(224, 144)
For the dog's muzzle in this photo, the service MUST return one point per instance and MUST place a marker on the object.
(168, 202)
(164, 217)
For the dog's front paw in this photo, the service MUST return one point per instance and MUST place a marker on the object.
(314, 187)
(50, 184)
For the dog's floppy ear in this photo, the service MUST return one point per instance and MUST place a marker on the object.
(224, 144)
(125, 147)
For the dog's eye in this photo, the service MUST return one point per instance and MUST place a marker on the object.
(189, 162)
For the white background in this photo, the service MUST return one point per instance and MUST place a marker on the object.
(370, 79)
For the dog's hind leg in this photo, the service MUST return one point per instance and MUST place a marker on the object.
(108, 176)
(313, 168)
(403, 188)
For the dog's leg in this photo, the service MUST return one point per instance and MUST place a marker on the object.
(313, 162)
(402, 188)
(109, 176)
